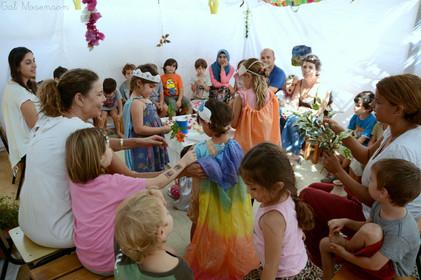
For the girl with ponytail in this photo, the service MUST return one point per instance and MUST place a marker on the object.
(281, 217)
(256, 109)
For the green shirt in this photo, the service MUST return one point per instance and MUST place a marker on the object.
(126, 269)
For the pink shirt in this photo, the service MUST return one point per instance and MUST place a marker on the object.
(94, 205)
(293, 258)
(249, 97)
(225, 79)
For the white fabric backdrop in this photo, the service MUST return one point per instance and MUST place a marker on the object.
(358, 42)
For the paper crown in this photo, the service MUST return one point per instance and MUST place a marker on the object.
(146, 76)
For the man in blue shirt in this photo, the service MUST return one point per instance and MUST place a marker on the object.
(276, 74)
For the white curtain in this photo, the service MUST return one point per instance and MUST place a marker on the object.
(358, 42)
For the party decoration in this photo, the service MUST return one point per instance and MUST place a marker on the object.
(247, 22)
(77, 4)
(285, 3)
(90, 16)
(213, 6)
(164, 40)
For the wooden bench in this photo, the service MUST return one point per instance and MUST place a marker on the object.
(67, 267)
(50, 263)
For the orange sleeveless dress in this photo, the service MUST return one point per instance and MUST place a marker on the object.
(257, 126)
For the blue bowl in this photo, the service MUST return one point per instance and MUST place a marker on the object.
(184, 126)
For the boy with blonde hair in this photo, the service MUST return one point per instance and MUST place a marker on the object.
(142, 226)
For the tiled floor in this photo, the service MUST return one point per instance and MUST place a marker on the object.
(180, 237)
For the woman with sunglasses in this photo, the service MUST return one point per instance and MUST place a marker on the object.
(220, 74)
(307, 92)
(255, 107)
(45, 213)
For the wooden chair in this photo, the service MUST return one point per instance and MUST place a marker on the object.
(21, 164)
(6, 146)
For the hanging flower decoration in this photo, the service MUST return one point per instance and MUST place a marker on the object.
(293, 3)
(90, 16)
(247, 14)
(164, 40)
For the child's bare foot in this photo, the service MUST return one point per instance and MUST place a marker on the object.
(120, 135)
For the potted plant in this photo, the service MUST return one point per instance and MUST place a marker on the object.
(9, 211)
(317, 132)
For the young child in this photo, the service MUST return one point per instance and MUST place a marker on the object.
(386, 245)
(363, 121)
(281, 217)
(255, 107)
(174, 89)
(125, 86)
(221, 212)
(58, 72)
(143, 224)
(96, 195)
(141, 119)
(288, 103)
(112, 106)
(157, 96)
(201, 82)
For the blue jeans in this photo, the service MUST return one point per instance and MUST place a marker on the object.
(292, 141)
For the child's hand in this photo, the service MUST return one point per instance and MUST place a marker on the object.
(189, 157)
(166, 129)
(335, 226)
(338, 250)
(178, 104)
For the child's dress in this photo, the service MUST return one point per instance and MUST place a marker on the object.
(257, 126)
(144, 159)
(222, 244)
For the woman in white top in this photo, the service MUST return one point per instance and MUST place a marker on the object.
(18, 104)
(398, 104)
(45, 209)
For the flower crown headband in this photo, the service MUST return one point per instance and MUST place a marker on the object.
(204, 113)
(243, 69)
(146, 76)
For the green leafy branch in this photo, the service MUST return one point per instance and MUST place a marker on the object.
(314, 130)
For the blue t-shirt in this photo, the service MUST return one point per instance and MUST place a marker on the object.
(362, 127)
(277, 78)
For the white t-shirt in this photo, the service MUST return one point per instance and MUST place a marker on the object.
(17, 130)
(45, 209)
(405, 147)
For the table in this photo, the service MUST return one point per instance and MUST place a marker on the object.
(194, 136)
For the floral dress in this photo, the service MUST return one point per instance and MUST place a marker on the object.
(144, 159)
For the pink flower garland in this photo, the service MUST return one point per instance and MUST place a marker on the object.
(90, 16)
